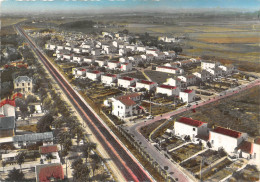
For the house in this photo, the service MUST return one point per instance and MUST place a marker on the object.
(101, 63)
(124, 60)
(67, 56)
(125, 106)
(141, 48)
(81, 72)
(77, 49)
(49, 154)
(148, 85)
(113, 65)
(215, 72)
(93, 75)
(209, 65)
(7, 126)
(9, 157)
(227, 69)
(256, 151)
(176, 82)
(170, 54)
(225, 138)
(187, 95)
(188, 79)
(167, 69)
(23, 83)
(167, 39)
(152, 51)
(159, 56)
(126, 67)
(126, 82)
(88, 59)
(190, 127)
(108, 79)
(35, 107)
(49, 172)
(60, 47)
(77, 58)
(203, 75)
(28, 139)
(7, 107)
(167, 89)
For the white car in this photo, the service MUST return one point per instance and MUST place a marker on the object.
(149, 117)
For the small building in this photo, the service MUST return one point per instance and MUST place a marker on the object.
(7, 126)
(24, 84)
(188, 79)
(28, 139)
(225, 138)
(113, 65)
(209, 65)
(81, 72)
(216, 72)
(167, 89)
(109, 79)
(126, 67)
(187, 95)
(49, 172)
(148, 85)
(7, 107)
(126, 82)
(203, 75)
(93, 75)
(168, 69)
(101, 63)
(49, 154)
(227, 69)
(190, 127)
(176, 82)
(125, 106)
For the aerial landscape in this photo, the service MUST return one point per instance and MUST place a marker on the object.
(130, 90)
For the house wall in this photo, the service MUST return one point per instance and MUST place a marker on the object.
(7, 110)
(256, 153)
(125, 83)
(107, 79)
(182, 130)
(120, 110)
(24, 86)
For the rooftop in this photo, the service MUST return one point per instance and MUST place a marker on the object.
(127, 78)
(48, 149)
(146, 82)
(132, 95)
(7, 101)
(190, 121)
(127, 101)
(110, 75)
(228, 132)
(188, 91)
(167, 67)
(33, 137)
(46, 171)
(168, 87)
(22, 79)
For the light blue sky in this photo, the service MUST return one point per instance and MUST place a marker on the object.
(122, 5)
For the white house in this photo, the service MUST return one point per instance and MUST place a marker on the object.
(81, 72)
(125, 106)
(209, 65)
(167, 89)
(167, 69)
(215, 72)
(93, 75)
(113, 65)
(203, 75)
(226, 138)
(148, 85)
(49, 154)
(108, 79)
(256, 151)
(170, 54)
(124, 60)
(126, 67)
(190, 127)
(141, 48)
(7, 107)
(187, 95)
(126, 82)
(154, 52)
(227, 69)
(174, 82)
(88, 60)
(24, 84)
(188, 79)
(101, 63)
(60, 47)
(67, 56)
(77, 58)
(77, 49)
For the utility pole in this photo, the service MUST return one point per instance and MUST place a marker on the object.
(150, 106)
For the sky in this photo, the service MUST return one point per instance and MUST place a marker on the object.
(27, 6)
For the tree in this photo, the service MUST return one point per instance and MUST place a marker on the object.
(96, 162)
(21, 158)
(44, 124)
(87, 148)
(15, 175)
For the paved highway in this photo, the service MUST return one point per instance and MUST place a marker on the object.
(126, 163)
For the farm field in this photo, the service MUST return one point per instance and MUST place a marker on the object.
(239, 112)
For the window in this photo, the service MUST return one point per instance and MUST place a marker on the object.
(118, 106)
(17, 84)
(194, 129)
(212, 141)
(28, 84)
(22, 84)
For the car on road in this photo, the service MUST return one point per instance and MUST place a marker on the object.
(149, 117)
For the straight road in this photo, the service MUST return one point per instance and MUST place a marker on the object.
(125, 162)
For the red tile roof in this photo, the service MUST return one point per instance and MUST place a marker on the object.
(17, 95)
(7, 101)
(146, 82)
(188, 91)
(48, 149)
(132, 95)
(168, 67)
(191, 122)
(110, 75)
(228, 132)
(246, 147)
(127, 78)
(168, 87)
(48, 171)
(127, 101)
(1, 115)
(96, 72)
(82, 69)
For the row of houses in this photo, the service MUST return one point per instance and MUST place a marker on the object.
(233, 142)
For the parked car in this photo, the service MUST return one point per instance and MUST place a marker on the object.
(149, 117)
